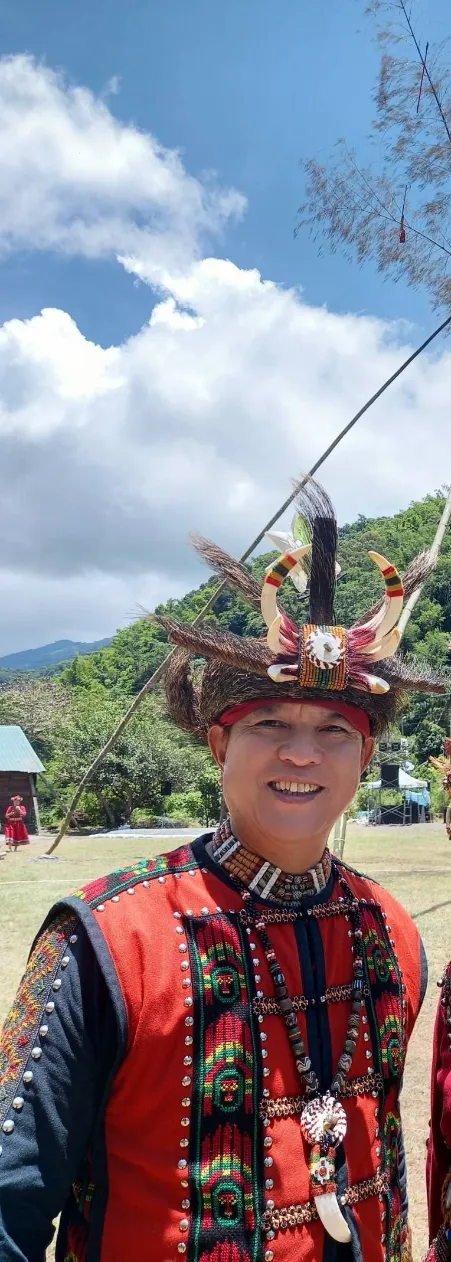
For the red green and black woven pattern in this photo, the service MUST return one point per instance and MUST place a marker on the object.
(226, 1166)
(20, 1031)
(104, 887)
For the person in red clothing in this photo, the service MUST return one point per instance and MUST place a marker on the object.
(16, 833)
(438, 1166)
(205, 1056)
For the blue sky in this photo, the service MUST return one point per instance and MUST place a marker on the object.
(170, 356)
(248, 88)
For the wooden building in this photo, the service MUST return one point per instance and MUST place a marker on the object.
(19, 767)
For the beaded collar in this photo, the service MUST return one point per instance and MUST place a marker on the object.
(263, 878)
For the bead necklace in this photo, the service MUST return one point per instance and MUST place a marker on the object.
(323, 1119)
(263, 878)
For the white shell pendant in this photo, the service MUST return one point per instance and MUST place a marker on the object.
(323, 1124)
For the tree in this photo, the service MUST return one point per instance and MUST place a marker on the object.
(147, 756)
(210, 792)
(36, 706)
(396, 212)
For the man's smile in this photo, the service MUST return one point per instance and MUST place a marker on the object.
(294, 790)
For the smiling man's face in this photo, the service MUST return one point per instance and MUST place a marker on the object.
(289, 772)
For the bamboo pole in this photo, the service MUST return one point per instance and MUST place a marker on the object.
(435, 550)
(159, 672)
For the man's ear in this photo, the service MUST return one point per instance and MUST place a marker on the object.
(368, 747)
(217, 739)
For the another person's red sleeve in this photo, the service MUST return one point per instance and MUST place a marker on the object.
(439, 1150)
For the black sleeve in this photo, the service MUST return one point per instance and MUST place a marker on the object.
(57, 1051)
(424, 972)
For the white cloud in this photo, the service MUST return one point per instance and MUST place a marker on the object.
(76, 179)
(201, 420)
(82, 608)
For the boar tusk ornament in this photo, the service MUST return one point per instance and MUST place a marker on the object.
(323, 1125)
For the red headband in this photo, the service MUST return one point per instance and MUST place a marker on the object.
(358, 718)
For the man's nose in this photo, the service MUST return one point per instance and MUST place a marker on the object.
(300, 748)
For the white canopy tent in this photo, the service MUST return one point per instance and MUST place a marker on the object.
(404, 782)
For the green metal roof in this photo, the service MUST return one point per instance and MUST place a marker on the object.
(16, 753)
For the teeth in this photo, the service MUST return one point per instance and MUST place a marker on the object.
(293, 786)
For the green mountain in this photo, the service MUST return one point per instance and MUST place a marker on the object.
(49, 654)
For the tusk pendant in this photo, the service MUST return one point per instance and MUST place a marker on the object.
(323, 1124)
(331, 1217)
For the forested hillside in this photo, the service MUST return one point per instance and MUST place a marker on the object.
(155, 769)
(48, 656)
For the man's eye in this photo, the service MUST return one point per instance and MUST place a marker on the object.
(334, 727)
(270, 723)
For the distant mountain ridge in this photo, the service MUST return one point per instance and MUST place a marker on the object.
(50, 654)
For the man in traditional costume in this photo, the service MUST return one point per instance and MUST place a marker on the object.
(205, 1055)
(16, 833)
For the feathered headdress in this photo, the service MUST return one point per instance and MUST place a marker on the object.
(443, 764)
(310, 658)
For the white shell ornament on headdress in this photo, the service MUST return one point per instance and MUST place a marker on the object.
(331, 651)
(324, 649)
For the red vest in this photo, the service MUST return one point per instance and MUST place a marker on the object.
(204, 1151)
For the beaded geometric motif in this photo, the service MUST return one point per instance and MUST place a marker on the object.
(103, 887)
(394, 1236)
(225, 1158)
(396, 1229)
(392, 1131)
(21, 1027)
(386, 1009)
(226, 1180)
(228, 1066)
(225, 1253)
(387, 1019)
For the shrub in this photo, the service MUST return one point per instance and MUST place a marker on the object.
(142, 817)
(187, 805)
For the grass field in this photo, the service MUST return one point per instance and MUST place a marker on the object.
(414, 864)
